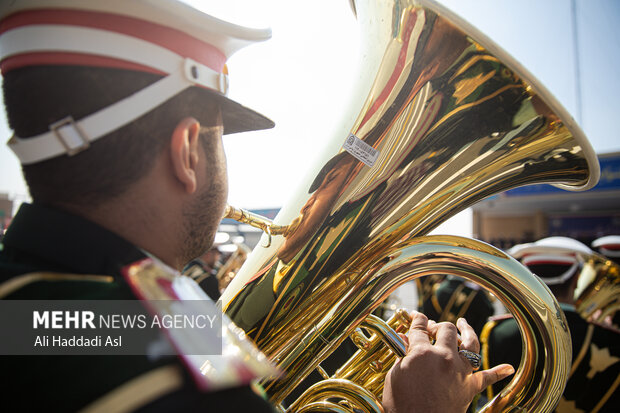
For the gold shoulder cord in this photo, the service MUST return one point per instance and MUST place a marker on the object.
(139, 391)
(484, 341)
(448, 308)
(583, 351)
(17, 283)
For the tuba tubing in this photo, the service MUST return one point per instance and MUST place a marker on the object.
(546, 344)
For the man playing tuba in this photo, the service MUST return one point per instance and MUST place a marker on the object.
(118, 110)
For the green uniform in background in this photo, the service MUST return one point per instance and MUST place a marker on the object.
(454, 298)
(595, 373)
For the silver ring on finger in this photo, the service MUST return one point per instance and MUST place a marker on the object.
(473, 358)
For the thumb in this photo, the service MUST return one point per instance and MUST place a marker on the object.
(488, 377)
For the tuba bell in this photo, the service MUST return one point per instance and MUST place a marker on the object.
(443, 118)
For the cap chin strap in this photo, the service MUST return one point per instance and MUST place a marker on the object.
(68, 136)
(609, 252)
(553, 259)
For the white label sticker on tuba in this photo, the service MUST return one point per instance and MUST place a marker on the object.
(361, 150)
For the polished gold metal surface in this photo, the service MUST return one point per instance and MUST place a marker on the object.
(598, 290)
(443, 119)
(369, 365)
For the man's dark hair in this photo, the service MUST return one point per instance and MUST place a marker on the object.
(36, 97)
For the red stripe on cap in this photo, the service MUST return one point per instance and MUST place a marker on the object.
(49, 58)
(550, 262)
(172, 39)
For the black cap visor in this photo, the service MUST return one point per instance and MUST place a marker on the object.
(238, 118)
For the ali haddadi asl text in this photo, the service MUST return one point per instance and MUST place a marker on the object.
(78, 341)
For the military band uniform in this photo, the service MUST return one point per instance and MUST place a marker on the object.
(205, 276)
(595, 373)
(453, 298)
(118, 109)
(42, 239)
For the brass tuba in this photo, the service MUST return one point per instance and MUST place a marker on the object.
(443, 119)
(227, 271)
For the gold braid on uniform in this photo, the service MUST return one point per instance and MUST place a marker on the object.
(484, 342)
(583, 351)
(139, 391)
(447, 309)
(16, 283)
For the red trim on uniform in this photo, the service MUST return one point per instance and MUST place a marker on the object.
(244, 373)
(500, 317)
(172, 39)
(564, 256)
(76, 59)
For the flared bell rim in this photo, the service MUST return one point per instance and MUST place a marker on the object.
(540, 90)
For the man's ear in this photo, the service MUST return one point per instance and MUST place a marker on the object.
(184, 152)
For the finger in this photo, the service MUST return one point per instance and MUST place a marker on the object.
(418, 334)
(432, 331)
(404, 338)
(488, 377)
(432, 328)
(469, 339)
(446, 335)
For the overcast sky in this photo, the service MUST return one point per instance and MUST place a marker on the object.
(302, 77)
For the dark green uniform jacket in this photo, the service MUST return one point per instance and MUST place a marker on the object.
(44, 239)
(595, 373)
(453, 298)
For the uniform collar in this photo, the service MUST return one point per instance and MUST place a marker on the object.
(59, 240)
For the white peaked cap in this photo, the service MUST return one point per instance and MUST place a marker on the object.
(608, 245)
(184, 45)
(550, 246)
(562, 252)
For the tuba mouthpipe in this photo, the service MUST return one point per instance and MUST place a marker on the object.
(257, 221)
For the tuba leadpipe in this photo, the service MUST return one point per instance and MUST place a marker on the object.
(442, 118)
(256, 221)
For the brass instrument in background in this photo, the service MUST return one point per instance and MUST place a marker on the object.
(598, 289)
(228, 270)
(442, 119)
